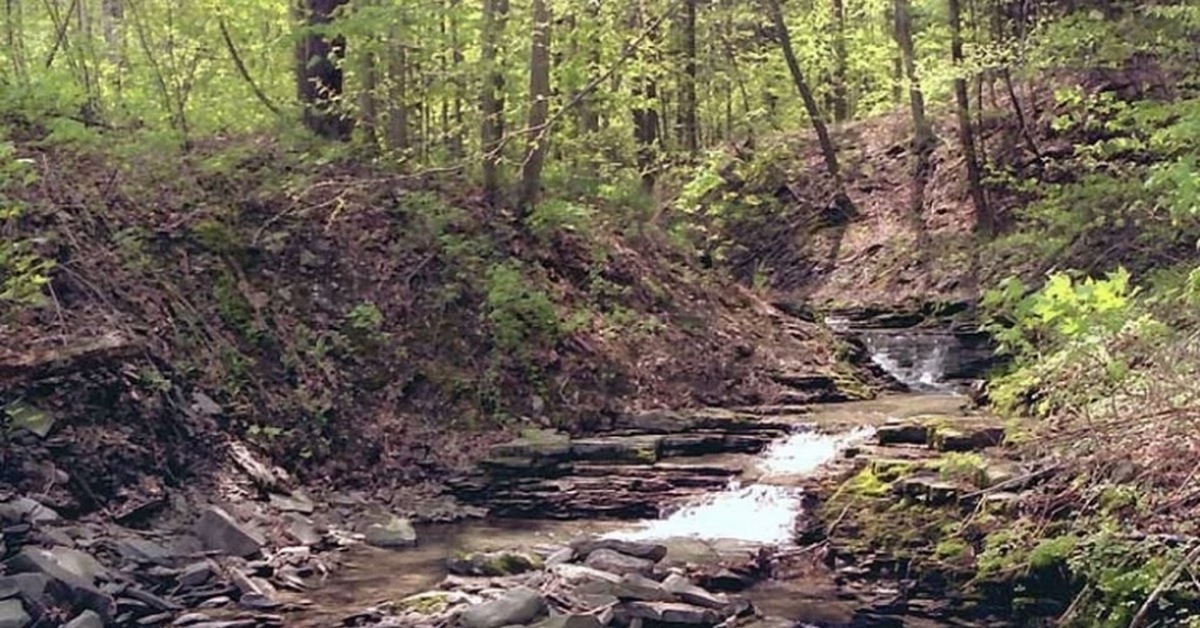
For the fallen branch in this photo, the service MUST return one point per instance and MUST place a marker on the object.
(95, 353)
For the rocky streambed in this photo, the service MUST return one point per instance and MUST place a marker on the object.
(704, 518)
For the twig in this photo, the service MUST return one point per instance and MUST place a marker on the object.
(1163, 585)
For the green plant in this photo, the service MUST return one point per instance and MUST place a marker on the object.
(519, 315)
(23, 272)
(553, 215)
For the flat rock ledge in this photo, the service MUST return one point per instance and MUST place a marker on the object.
(645, 460)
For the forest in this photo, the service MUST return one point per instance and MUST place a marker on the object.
(336, 274)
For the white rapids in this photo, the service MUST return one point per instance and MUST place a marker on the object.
(754, 513)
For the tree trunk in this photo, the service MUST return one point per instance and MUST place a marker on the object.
(644, 90)
(397, 93)
(457, 141)
(841, 100)
(984, 222)
(689, 134)
(495, 17)
(318, 77)
(369, 101)
(539, 108)
(922, 129)
(828, 151)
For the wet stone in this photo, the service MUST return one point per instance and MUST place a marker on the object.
(683, 589)
(518, 606)
(504, 563)
(650, 551)
(396, 533)
(902, 434)
(967, 440)
(617, 563)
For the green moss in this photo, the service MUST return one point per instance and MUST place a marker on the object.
(866, 484)
(428, 603)
(951, 548)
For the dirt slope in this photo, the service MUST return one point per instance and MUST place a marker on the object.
(357, 324)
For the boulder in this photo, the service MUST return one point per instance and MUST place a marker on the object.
(395, 533)
(636, 587)
(902, 434)
(967, 440)
(219, 531)
(503, 563)
(518, 606)
(579, 574)
(618, 563)
(685, 591)
(13, 615)
(674, 613)
(650, 551)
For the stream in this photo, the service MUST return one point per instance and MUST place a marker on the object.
(758, 508)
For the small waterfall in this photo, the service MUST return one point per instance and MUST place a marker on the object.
(755, 513)
(917, 360)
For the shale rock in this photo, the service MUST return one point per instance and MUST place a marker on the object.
(518, 606)
(221, 532)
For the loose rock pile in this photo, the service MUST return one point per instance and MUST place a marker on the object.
(591, 583)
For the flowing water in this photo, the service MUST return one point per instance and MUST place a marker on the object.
(772, 509)
(760, 508)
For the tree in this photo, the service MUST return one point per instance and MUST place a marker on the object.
(923, 138)
(495, 17)
(966, 133)
(841, 99)
(828, 151)
(688, 132)
(539, 106)
(319, 73)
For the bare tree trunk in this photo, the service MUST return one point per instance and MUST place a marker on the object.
(14, 38)
(397, 94)
(984, 221)
(369, 100)
(495, 16)
(841, 100)
(828, 151)
(923, 138)
(318, 77)
(922, 129)
(644, 90)
(457, 141)
(539, 108)
(688, 131)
